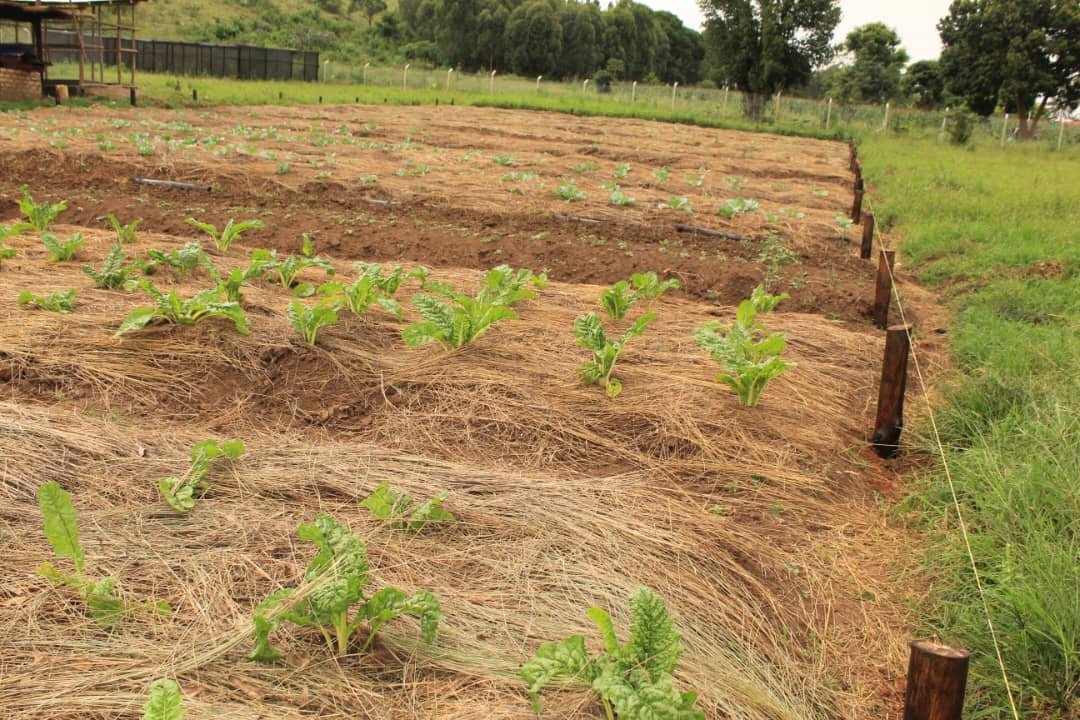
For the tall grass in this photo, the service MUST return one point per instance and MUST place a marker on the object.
(996, 231)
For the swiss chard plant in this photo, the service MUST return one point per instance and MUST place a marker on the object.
(163, 701)
(505, 286)
(289, 267)
(737, 206)
(124, 233)
(61, 250)
(336, 600)
(454, 320)
(569, 192)
(372, 287)
(6, 253)
(308, 320)
(61, 301)
(647, 286)
(750, 359)
(403, 512)
(589, 333)
(183, 260)
(227, 235)
(617, 299)
(633, 680)
(39, 216)
(114, 274)
(61, 526)
(231, 286)
(171, 308)
(181, 492)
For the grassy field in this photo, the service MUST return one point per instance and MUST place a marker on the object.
(995, 233)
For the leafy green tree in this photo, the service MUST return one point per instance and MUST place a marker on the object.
(491, 34)
(874, 75)
(684, 53)
(534, 38)
(370, 8)
(1021, 53)
(583, 29)
(924, 85)
(764, 46)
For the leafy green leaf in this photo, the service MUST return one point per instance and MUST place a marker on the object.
(566, 659)
(654, 641)
(61, 523)
(163, 701)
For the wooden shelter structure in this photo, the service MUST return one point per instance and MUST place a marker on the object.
(96, 35)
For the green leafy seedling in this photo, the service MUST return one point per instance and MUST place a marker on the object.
(172, 309)
(308, 320)
(61, 250)
(289, 267)
(403, 512)
(621, 171)
(183, 260)
(662, 174)
(163, 701)
(231, 285)
(617, 299)
(372, 287)
(737, 206)
(589, 333)
(39, 216)
(181, 492)
(61, 301)
(618, 197)
(676, 202)
(568, 192)
(229, 234)
(338, 578)
(648, 286)
(113, 275)
(124, 233)
(750, 361)
(633, 680)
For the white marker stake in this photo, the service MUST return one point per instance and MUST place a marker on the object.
(366, 66)
(325, 70)
(584, 86)
(944, 122)
(491, 84)
(448, 73)
(674, 89)
(1061, 131)
(1004, 129)
(633, 92)
(828, 114)
(538, 79)
(725, 96)
(405, 77)
(885, 122)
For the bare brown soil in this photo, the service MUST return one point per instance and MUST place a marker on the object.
(761, 527)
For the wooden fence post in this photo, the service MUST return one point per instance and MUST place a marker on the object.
(867, 236)
(194, 95)
(889, 421)
(936, 680)
(856, 206)
(883, 287)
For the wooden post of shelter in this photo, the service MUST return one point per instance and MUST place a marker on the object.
(867, 236)
(889, 421)
(936, 681)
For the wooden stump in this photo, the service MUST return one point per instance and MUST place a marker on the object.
(867, 236)
(890, 408)
(936, 680)
(883, 288)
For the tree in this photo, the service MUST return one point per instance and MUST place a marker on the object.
(684, 53)
(1020, 53)
(874, 74)
(764, 46)
(924, 85)
(582, 28)
(370, 8)
(534, 38)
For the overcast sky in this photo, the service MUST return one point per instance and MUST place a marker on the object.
(914, 20)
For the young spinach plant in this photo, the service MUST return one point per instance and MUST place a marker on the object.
(338, 577)
(308, 320)
(633, 680)
(228, 234)
(288, 268)
(39, 216)
(589, 333)
(180, 492)
(171, 308)
(403, 512)
(182, 260)
(61, 526)
(372, 287)
(61, 301)
(163, 701)
(648, 286)
(61, 250)
(124, 233)
(113, 275)
(750, 361)
(456, 321)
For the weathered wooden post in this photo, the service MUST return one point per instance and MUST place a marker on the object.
(936, 680)
(132, 94)
(889, 421)
(856, 205)
(867, 236)
(194, 95)
(883, 287)
(853, 155)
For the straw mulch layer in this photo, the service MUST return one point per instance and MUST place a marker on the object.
(756, 525)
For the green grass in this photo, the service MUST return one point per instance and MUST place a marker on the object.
(996, 232)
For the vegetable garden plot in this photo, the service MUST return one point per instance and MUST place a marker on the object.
(743, 520)
(475, 187)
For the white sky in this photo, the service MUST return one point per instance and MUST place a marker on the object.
(914, 20)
